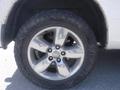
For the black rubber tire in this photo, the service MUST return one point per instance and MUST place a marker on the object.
(52, 18)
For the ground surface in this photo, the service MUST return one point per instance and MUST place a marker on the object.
(106, 75)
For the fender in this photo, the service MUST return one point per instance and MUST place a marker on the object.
(4, 19)
(111, 12)
(5, 9)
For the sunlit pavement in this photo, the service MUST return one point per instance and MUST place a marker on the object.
(106, 75)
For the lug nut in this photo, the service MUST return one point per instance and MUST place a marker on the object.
(58, 60)
(50, 58)
(62, 53)
(57, 47)
(49, 50)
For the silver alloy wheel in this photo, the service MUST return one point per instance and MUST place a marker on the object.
(57, 57)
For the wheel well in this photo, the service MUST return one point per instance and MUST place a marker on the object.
(89, 10)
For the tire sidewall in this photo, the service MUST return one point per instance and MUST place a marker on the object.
(78, 26)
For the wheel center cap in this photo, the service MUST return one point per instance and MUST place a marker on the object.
(56, 54)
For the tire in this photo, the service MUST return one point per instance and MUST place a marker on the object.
(55, 18)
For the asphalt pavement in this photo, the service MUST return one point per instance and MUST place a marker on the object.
(105, 76)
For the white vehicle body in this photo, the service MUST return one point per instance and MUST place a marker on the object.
(112, 14)
(56, 41)
(110, 9)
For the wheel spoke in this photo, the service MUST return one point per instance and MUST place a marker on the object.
(63, 69)
(60, 36)
(74, 53)
(42, 65)
(40, 45)
(56, 53)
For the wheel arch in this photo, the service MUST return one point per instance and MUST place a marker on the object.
(25, 9)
